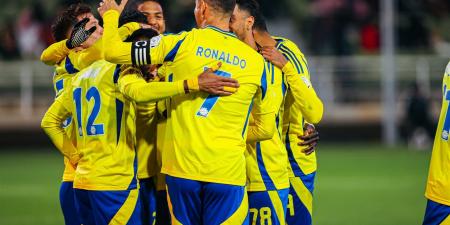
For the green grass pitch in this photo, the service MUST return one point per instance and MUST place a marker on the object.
(356, 185)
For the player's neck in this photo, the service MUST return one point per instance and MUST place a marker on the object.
(221, 23)
(264, 39)
(250, 40)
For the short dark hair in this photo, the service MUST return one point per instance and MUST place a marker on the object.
(67, 19)
(157, 1)
(77, 9)
(253, 8)
(224, 6)
(136, 3)
(132, 15)
(61, 27)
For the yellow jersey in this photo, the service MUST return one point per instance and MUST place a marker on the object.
(297, 110)
(67, 64)
(61, 79)
(163, 140)
(267, 160)
(105, 129)
(438, 184)
(101, 99)
(146, 121)
(56, 54)
(210, 131)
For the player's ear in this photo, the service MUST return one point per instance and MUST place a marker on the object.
(204, 8)
(249, 22)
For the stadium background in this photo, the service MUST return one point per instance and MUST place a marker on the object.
(373, 157)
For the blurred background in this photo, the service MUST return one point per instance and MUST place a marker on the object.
(376, 64)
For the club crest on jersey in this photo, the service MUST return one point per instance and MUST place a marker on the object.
(445, 135)
(155, 41)
(306, 81)
(203, 112)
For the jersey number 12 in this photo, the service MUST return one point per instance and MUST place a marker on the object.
(91, 128)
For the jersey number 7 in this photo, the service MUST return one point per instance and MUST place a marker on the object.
(211, 100)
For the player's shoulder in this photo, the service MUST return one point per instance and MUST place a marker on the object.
(231, 38)
(287, 45)
(181, 33)
(96, 69)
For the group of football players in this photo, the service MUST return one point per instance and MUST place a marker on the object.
(209, 126)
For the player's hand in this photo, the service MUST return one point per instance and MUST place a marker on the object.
(79, 34)
(274, 56)
(216, 85)
(90, 41)
(106, 5)
(310, 138)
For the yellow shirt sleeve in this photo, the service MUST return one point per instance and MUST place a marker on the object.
(154, 51)
(51, 124)
(95, 52)
(262, 126)
(127, 29)
(132, 85)
(303, 93)
(120, 53)
(55, 53)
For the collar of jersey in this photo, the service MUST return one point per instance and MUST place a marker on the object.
(222, 31)
(279, 42)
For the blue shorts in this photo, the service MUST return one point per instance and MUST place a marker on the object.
(436, 214)
(194, 202)
(162, 209)
(299, 208)
(268, 207)
(147, 199)
(67, 201)
(108, 207)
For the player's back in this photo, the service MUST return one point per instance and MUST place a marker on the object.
(267, 160)
(105, 130)
(293, 117)
(439, 174)
(210, 131)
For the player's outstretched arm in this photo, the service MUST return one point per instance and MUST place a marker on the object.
(95, 51)
(115, 50)
(304, 93)
(51, 124)
(55, 53)
(127, 29)
(132, 85)
(263, 113)
(135, 87)
(299, 84)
